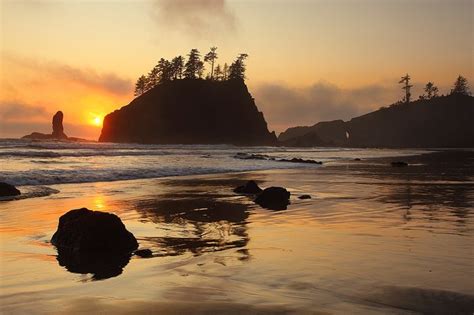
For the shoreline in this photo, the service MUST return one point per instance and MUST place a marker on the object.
(372, 239)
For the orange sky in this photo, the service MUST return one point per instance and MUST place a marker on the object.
(309, 60)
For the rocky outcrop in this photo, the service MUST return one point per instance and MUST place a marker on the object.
(326, 133)
(444, 121)
(83, 230)
(274, 198)
(7, 190)
(58, 130)
(190, 112)
(250, 187)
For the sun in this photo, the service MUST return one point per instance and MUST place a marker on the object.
(96, 119)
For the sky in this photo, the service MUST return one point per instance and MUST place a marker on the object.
(309, 60)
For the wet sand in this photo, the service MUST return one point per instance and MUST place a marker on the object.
(374, 239)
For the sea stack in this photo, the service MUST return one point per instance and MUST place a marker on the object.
(190, 111)
(58, 129)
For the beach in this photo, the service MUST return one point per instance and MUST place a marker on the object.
(373, 239)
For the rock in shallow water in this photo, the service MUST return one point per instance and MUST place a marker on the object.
(399, 164)
(84, 230)
(8, 190)
(274, 198)
(250, 187)
(144, 253)
(304, 197)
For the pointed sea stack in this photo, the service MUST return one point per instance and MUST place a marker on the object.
(190, 111)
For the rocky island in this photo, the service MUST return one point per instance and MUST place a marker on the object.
(190, 111)
(58, 131)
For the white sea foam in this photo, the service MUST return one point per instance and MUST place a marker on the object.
(25, 162)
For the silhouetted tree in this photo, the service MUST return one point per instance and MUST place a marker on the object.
(461, 86)
(431, 91)
(164, 70)
(218, 73)
(194, 66)
(211, 57)
(153, 78)
(225, 72)
(140, 86)
(237, 68)
(406, 87)
(177, 67)
(200, 69)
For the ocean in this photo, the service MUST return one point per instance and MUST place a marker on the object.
(36, 163)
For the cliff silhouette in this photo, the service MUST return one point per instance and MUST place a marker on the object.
(190, 111)
(444, 121)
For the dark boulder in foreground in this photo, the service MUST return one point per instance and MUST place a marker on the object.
(399, 164)
(84, 230)
(304, 197)
(250, 187)
(7, 190)
(93, 242)
(274, 198)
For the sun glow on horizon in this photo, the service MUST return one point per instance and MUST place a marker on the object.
(96, 119)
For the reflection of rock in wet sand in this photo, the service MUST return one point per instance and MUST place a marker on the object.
(100, 265)
(198, 218)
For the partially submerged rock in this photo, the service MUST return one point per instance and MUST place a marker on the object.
(7, 190)
(399, 164)
(298, 160)
(83, 230)
(304, 197)
(250, 187)
(274, 198)
(144, 253)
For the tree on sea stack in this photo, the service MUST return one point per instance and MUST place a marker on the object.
(218, 74)
(177, 67)
(194, 67)
(140, 86)
(237, 68)
(211, 57)
(461, 86)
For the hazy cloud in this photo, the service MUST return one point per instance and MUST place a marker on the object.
(14, 111)
(108, 82)
(287, 107)
(194, 17)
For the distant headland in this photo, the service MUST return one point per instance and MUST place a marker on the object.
(432, 121)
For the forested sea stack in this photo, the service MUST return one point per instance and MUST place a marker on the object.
(175, 105)
(190, 112)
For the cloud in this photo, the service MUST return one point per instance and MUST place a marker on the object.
(41, 72)
(287, 107)
(14, 111)
(199, 18)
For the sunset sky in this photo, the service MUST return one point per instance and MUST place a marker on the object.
(308, 60)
